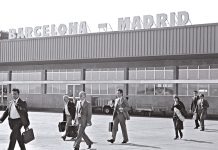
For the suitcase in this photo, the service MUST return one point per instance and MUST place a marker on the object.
(28, 136)
(72, 131)
(110, 126)
(61, 126)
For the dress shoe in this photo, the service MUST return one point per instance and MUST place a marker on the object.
(111, 140)
(196, 128)
(76, 148)
(176, 138)
(202, 129)
(124, 142)
(89, 146)
(63, 137)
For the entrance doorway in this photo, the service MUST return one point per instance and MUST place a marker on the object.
(73, 89)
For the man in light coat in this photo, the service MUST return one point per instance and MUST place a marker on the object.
(83, 119)
(120, 115)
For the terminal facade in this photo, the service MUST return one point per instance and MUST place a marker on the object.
(149, 64)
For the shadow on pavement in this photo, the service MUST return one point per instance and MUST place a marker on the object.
(190, 140)
(211, 130)
(139, 145)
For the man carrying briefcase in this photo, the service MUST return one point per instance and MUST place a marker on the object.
(17, 117)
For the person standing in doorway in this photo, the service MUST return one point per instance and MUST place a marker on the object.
(120, 115)
(202, 106)
(83, 119)
(17, 117)
(195, 99)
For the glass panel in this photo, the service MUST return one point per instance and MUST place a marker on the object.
(182, 89)
(78, 88)
(77, 75)
(35, 88)
(168, 73)
(191, 88)
(22, 87)
(203, 74)
(49, 76)
(149, 89)
(111, 88)
(112, 74)
(192, 73)
(132, 89)
(49, 88)
(88, 88)
(103, 88)
(141, 89)
(168, 89)
(95, 75)
(213, 73)
(159, 74)
(183, 73)
(103, 75)
(63, 89)
(203, 88)
(141, 74)
(120, 74)
(159, 89)
(132, 74)
(150, 73)
(88, 75)
(56, 75)
(95, 88)
(56, 88)
(213, 89)
(70, 76)
(63, 76)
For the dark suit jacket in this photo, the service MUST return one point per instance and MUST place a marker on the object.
(194, 103)
(124, 105)
(21, 107)
(72, 109)
(86, 113)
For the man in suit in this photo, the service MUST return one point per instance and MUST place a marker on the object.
(120, 115)
(195, 99)
(83, 119)
(201, 110)
(17, 117)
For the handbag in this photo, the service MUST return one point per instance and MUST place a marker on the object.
(28, 136)
(110, 126)
(72, 131)
(61, 126)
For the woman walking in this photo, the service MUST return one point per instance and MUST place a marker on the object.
(178, 109)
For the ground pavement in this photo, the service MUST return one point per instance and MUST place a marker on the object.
(145, 133)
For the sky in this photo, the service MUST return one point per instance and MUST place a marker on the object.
(16, 14)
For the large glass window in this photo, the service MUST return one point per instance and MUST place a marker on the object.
(3, 76)
(27, 75)
(214, 72)
(61, 75)
(193, 73)
(213, 89)
(106, 74)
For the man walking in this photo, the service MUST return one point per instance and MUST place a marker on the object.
(202, 106)
(195, 99)
(17, 117)
(120, 115)
(83, 119)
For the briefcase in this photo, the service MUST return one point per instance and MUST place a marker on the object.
(28, 136)
(72, 131)
(110, 126)
(61, 126)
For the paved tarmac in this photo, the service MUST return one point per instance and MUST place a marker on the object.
(145, 133)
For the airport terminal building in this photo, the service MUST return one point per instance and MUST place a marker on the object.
(149, 64)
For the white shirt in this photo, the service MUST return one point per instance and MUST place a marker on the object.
(13, 112)
(66, 109)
